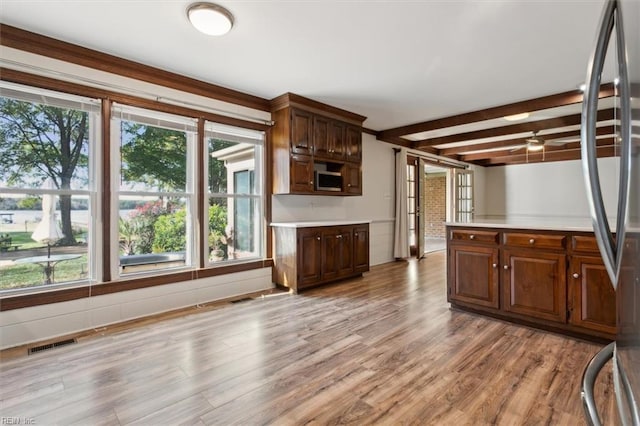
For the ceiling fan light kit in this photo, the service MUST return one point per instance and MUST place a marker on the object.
(210, 18)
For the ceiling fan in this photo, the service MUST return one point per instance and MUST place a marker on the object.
(537, 143)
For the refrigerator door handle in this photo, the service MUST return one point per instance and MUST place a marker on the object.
(589, 377)
(602, 229)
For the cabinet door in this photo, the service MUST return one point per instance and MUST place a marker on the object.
(345, 252)
(352, 178)
(321, 145)
(301, 173)
(309, 257)
(301, 132)
(534, 284)
(473, 275)
(353, 143)
(361, 248)
(592, 297)
(330, 248)
(337, 140)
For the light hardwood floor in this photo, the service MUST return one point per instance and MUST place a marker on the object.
(382, 349)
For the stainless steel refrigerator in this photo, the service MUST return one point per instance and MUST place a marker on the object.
(619, 244)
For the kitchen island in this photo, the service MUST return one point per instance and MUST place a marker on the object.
(542, 272)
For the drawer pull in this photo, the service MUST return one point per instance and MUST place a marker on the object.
(318, 238)
(495, 265)
(531, 241)
(506, 267)
(576, 275)
(472, 237)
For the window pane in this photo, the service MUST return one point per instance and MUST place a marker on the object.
(152, 233)
(36, 248)
(234, 231)
(152, 158)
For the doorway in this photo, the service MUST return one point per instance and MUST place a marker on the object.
(428, 204)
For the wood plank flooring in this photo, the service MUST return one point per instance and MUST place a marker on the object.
(381, 349)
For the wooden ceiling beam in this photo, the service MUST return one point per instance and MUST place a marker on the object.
(531, 126)
(548, 148)
(546, 102)
(537, 157)
(600, 131)
(406, 143)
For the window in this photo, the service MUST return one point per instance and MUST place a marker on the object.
(463, 195)
(47, 187)
(235, 198)
(155, 203)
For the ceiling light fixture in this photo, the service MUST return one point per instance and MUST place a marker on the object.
(534, 147)
(517, 117)
(210, 19)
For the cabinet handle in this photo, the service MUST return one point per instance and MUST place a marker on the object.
(576, 275)
(495, 265)
(318, 238)
(531, 241)
(339, 236)
(356, 234)
(472, 237)
(506, 267)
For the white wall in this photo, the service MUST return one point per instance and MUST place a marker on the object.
(546, 189)
(375, 204)
(26, 325)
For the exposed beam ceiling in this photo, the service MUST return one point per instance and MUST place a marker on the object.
(486, 138)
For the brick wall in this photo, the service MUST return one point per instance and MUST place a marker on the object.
(435, 193)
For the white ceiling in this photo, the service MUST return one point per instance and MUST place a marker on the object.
(396, 62)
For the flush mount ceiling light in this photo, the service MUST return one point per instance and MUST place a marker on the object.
(517, 117)
(210, 19)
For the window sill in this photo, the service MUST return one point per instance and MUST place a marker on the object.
(66, 294)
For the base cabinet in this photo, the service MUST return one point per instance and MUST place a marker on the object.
(309, 256)
(551, 278)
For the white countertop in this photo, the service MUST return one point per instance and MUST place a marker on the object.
(551, 223)
(314, 223)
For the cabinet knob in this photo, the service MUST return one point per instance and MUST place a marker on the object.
(576, 275)
(472, 237)
(349, 185)
(356, 234)
(495, 265)
(531, 241)
(318, 238)
(339, 236)
(506, 267)
(310, 182)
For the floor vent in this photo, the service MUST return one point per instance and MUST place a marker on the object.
(244, 299)
(53, 345)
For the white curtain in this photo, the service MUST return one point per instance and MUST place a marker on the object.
(401, 231)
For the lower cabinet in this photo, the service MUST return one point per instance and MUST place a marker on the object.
(537, 278)
(310, 256)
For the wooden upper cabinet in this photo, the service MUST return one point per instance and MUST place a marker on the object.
(328, 137)
(321, 141)
(353, 143)
(301, 132)
(301, 173)
(352, 178)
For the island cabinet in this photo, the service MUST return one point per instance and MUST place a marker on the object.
(552, 279)
(308, 136)
(307, 256)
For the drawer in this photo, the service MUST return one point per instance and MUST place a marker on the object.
(548, 241)
(471, 235)
(584, 243)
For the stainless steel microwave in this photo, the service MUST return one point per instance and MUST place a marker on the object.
(328, 181)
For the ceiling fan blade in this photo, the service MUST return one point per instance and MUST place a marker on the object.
(517, 148)
(560, 142)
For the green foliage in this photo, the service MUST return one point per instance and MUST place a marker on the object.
(218, 238)
(154, 156)
(29, 203)
(217, 169)
(170, 232)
